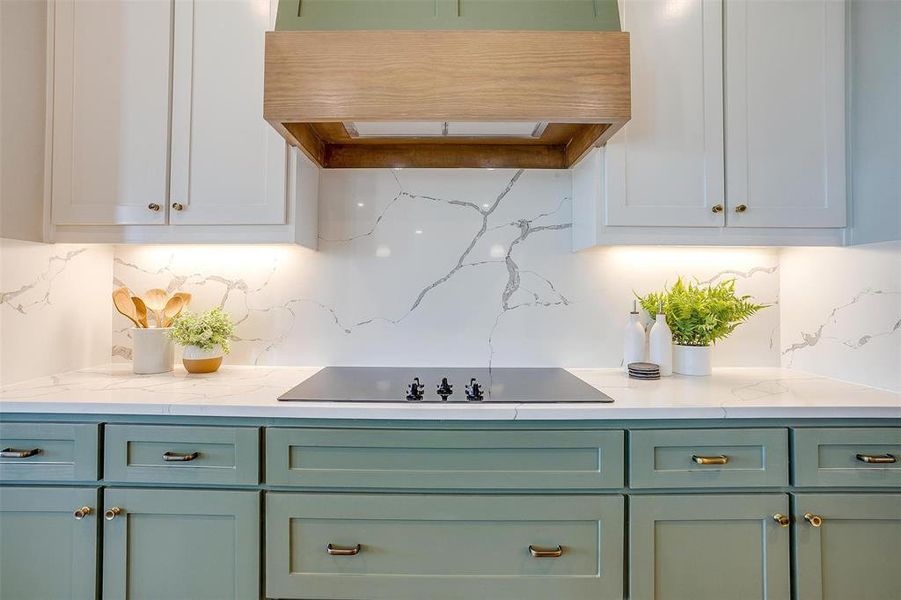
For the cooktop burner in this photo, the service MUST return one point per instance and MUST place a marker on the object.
(455, 385)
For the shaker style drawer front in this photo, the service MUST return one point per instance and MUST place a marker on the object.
(48, 452)
(867, 457)
(321, 546)
(371, 458)
(175, 454)
(691, 458)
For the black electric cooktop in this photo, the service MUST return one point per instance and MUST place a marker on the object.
(456, 385)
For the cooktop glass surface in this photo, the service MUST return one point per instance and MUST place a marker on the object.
(396, 384)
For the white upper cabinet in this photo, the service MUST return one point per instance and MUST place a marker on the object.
(228, 164)
(665, 167)
(785, 113)
(110, 115)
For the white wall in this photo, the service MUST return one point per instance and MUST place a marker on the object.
(54, 308)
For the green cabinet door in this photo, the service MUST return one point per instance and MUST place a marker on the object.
(856, 550)
(45, 551)
(709, 547)
(181, 545)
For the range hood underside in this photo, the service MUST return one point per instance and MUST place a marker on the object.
(319, 83)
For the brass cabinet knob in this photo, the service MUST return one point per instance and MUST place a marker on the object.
(717, 208)
(783, 520)
(741, 208)
(178, 206)
(154, 207)
(815, 520)
(81, 513)
(112, 513)
(720, 459)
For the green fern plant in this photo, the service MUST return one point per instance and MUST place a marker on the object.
(700, 315)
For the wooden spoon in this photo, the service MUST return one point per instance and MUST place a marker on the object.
(185, 296)
(123, 303)
(155, 300)
(140, 310)
(172, 308)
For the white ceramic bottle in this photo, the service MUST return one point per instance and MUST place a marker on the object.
(661, 344)
(634, 339)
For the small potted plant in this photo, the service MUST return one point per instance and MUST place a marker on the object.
(205, 338)
(699, 316)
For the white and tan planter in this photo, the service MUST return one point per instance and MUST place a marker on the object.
(692, 360)
(197, 360)
(153, 351)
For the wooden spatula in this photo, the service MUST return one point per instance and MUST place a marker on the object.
(155, 300)
(124, 304)
(140, 310)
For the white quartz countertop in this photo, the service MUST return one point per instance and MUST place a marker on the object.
(244, 391)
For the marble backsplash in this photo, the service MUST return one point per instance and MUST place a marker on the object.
(457, 268)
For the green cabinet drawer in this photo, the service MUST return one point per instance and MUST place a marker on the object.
(181, 544)
(705, 458)
(181, 454)
(504, 460)
(48, 452)
(45, 552)
(388, 546)
(854, 553)
(838, 457)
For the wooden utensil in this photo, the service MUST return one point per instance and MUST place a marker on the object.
(155, 300)
(124, 304)
(172, 308)
(140, 310)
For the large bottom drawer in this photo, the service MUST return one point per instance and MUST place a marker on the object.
(359, 546)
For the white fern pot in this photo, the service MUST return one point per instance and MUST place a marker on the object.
(152, 350)
(197, 360)
(692, 360)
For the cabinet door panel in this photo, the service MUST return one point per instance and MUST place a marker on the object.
(111, 111)
(785, 113)
(228, 165)
(198, 544)
(665, 168)
(854, 553)
(45, 552)
(708, 547)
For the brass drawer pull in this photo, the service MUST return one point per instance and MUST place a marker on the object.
(179, 457)
(81, 513)
(546, 552)
(879, 459)
(782, 520)
(710, 460)
(342, 551)
(112, 513)
(13, 453)
(815, 520)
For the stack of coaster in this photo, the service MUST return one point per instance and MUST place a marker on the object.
(643, 370)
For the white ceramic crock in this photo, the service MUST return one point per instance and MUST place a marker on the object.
(197, 360)
(691, 360)
(153, 351)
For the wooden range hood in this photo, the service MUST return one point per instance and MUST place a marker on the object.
(441, 99)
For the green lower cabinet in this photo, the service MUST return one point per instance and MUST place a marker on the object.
(709, 547)
(45, 551)
(181, 545)
(854, 552)
(443, 547)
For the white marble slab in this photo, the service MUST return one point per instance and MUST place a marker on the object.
(245, 391)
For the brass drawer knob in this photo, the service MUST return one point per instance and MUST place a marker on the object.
(877, 459)
(815, 520)
(180, 457)
(334, 550)
(154, 207)
(112, 513)
(717, 208)
(741, 208)
(16, 453)
(782, 520)
(546, 552)
(710, 460)
(81, 513)
(178, 206)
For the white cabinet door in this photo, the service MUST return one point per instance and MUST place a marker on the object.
(228, 165)
(110, 111)
(665, 167)
(785, 113)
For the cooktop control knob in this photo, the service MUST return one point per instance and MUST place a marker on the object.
(474, 391)
(415, 390)
(445, 389)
